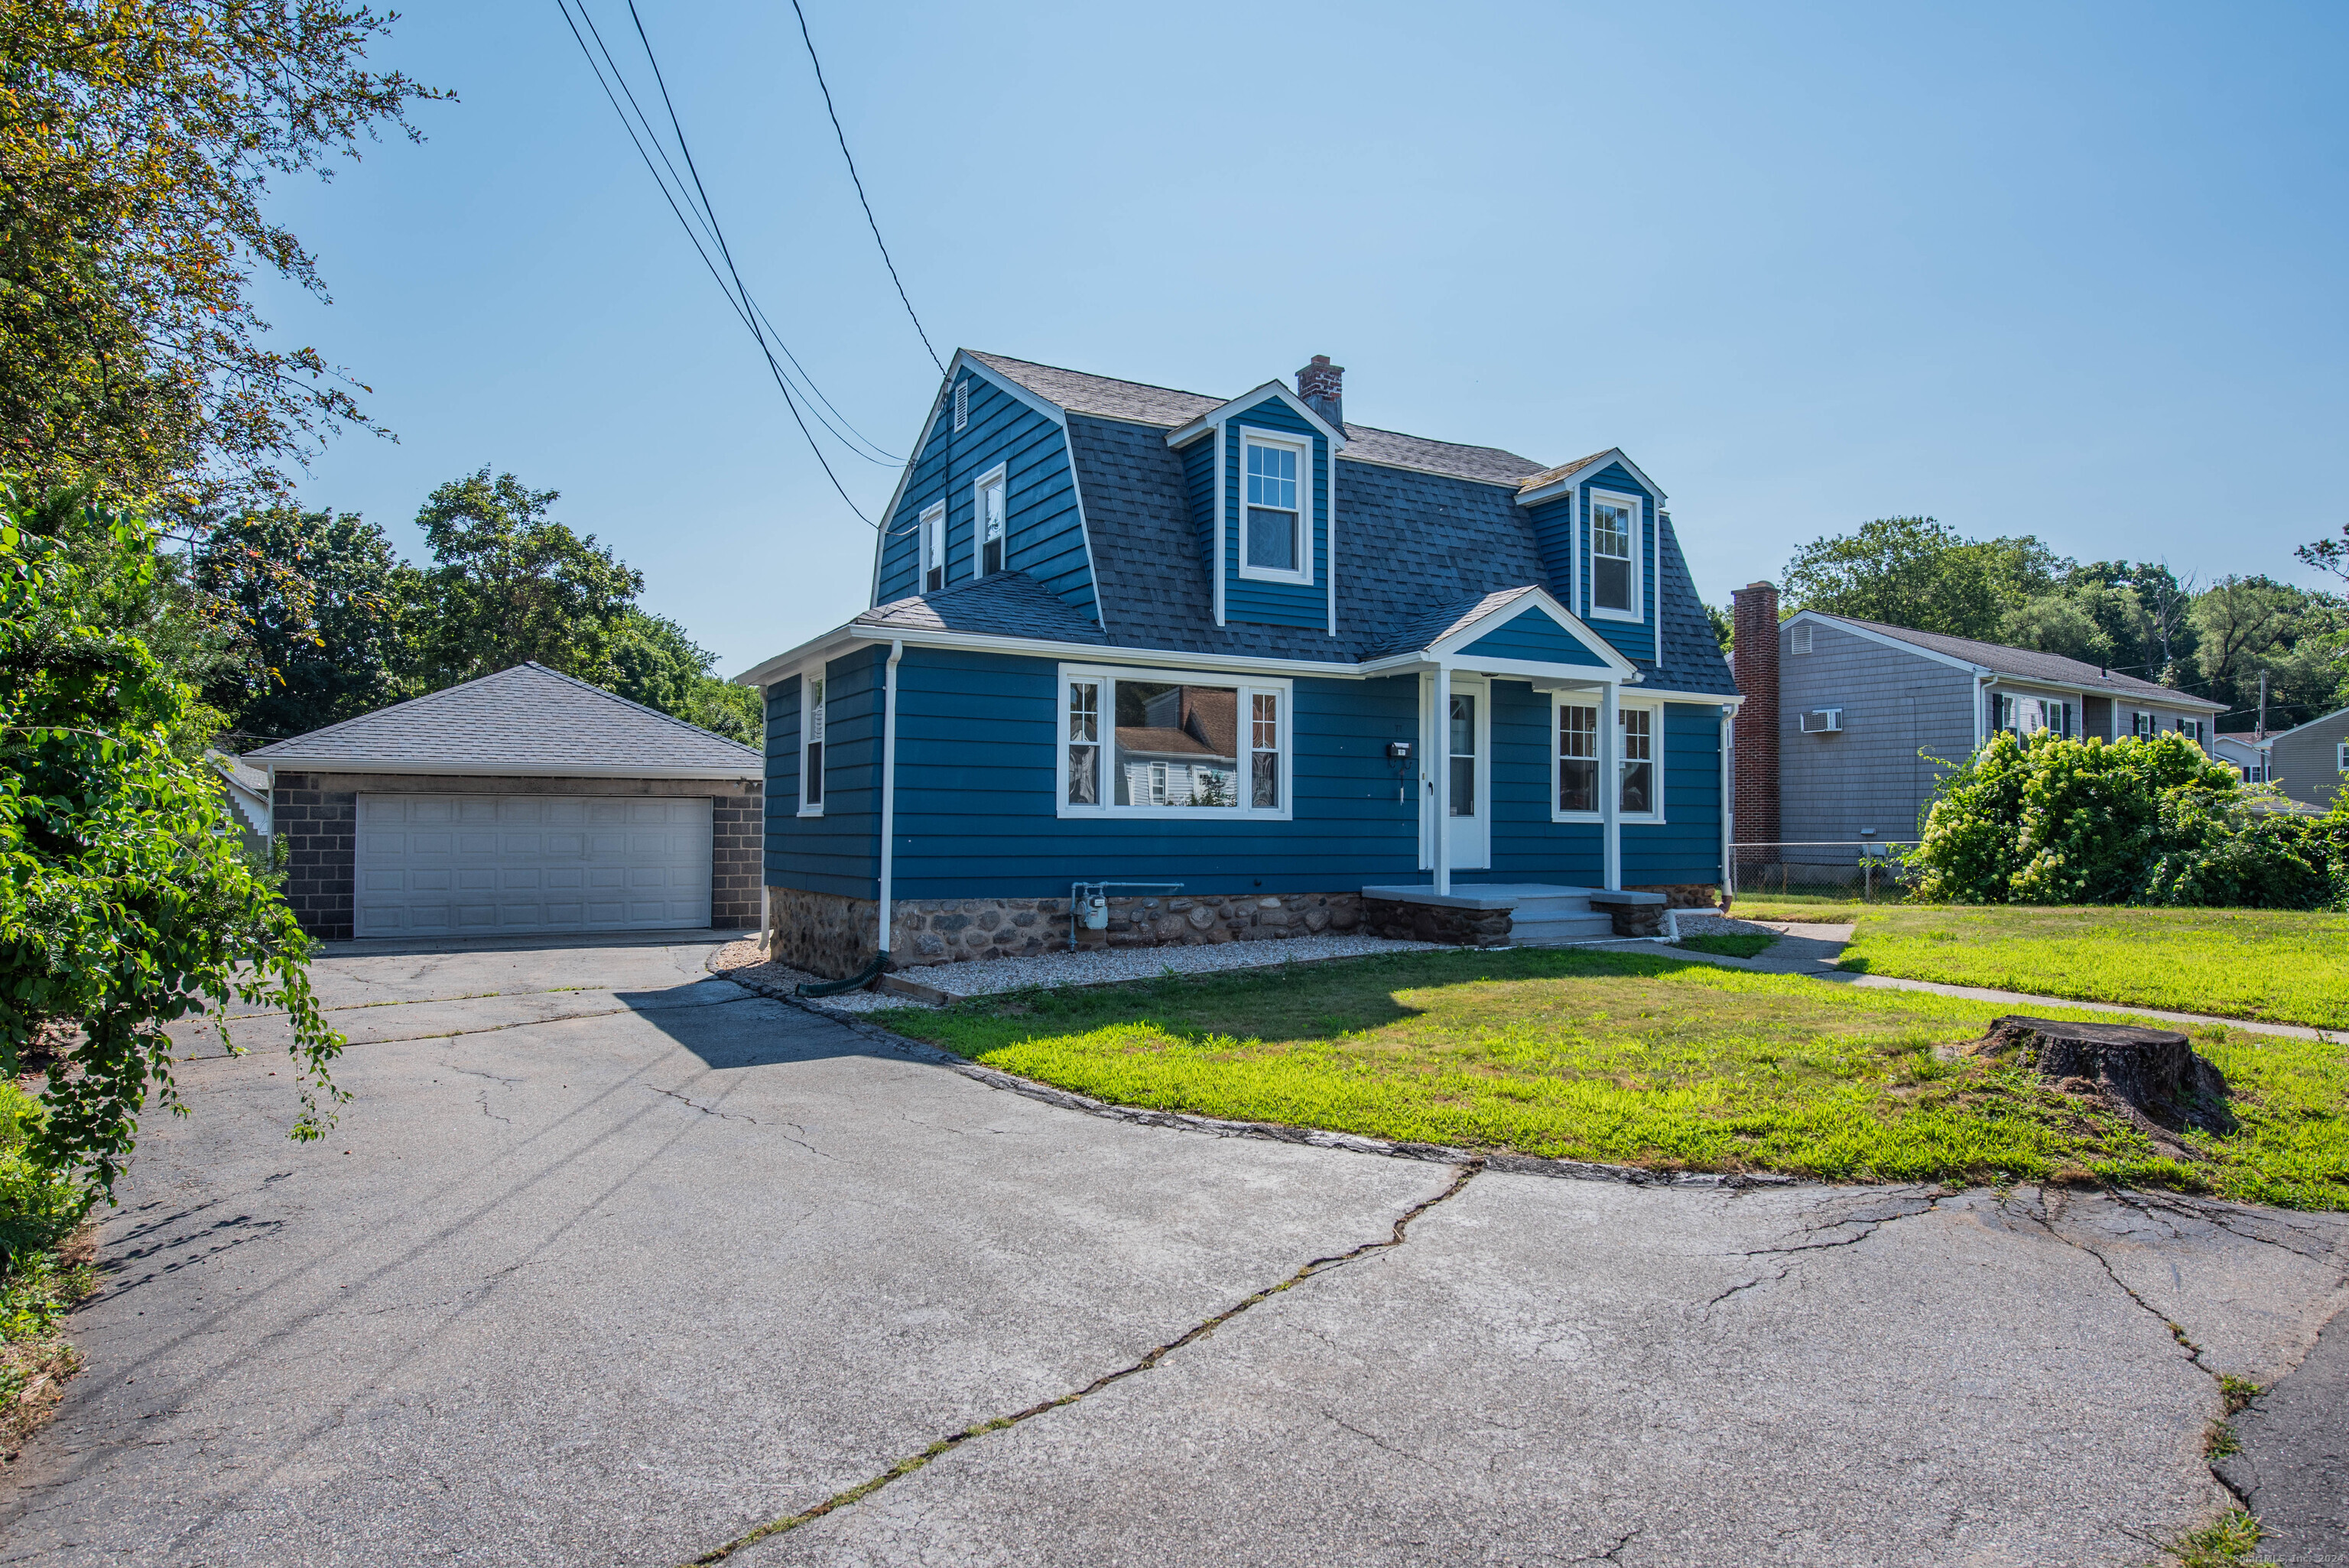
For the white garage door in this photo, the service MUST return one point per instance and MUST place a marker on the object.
(444, 865)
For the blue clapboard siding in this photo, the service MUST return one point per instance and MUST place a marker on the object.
(1687, 847)
(1277, 603)
(1535, 637)
(976, 735)
(1556, 534)
(1526, 845)
(1199, 485)
(1634, 641)
(838, 853)
(1044, 536)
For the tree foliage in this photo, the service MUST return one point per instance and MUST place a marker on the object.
(656, 664)
(2050, 820)
(137, 139)
(509, 583)
(1917, 572)
(325, 610)
(124, 907)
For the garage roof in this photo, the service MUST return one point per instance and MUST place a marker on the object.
(528, 720)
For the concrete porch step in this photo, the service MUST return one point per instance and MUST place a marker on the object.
(1543, 931)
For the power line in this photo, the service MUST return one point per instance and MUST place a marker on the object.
(853, 179)
(837, 423)
(744, 307)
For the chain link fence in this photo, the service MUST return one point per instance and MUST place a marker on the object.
(1843, 869)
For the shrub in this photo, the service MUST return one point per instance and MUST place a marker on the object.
(38, 1205)
(2152, 821)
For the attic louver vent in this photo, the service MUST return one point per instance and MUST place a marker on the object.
(962, 404)
(1803, 638)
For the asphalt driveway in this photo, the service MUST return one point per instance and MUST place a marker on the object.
(610, 1261)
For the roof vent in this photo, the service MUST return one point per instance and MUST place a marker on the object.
(1322, 385)
(962, 403)
(1802, 637)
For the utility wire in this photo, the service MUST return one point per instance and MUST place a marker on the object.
(837, 423)
(853, 179)
(743, 307)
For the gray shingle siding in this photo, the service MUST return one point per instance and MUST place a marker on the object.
(2306, 761)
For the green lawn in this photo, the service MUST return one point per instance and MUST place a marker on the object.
(2283, 965)
(1642, 1059)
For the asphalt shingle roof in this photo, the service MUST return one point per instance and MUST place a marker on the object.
(2022, 664)
(1440, 620)
(525, 720)
(1105, 398)
(1003, 604)
(1691, 655)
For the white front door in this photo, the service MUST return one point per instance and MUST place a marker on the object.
(1467, 733)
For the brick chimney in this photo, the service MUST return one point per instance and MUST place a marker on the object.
(1324, 385)
(1755, 734)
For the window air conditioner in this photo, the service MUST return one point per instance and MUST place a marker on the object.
(1821, 721)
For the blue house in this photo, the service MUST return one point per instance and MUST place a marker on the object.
(1245, 660)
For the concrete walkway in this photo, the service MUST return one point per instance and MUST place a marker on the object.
(626, 1274)
(1805, 948)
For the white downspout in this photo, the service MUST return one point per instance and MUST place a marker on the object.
(1610, 789)
(1728, 800)
(888, 782)
(1439, 758)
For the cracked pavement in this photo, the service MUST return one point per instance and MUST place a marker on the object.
(609, 1261)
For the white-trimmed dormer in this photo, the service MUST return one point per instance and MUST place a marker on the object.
(1261, 473)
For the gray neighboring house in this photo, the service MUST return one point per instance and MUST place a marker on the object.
(1845, 719)
(523, 802)
(2306, 763)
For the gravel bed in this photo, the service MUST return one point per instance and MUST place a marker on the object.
(1693, 923)
(1095, 967)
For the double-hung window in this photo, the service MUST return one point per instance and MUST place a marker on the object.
(1166, 743)
(1577, 756)
(811, 745)
(1276, 476)
(1615, 556)
(989, 513)
(2341, 757)
(933, 548)
(2192, 729)
(2143, 725)
(1638, 761)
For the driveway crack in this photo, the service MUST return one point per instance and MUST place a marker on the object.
(737, 1116)
(1462, 1175)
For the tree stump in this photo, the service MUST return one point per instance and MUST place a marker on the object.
(2154, 1074)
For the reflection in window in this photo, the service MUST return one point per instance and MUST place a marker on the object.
(1177, 746)
(990, 526)
(1263, 751)
(1577, 758)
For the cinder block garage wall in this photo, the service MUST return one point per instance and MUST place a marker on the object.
(317, 815)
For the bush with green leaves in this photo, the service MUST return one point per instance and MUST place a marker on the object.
(124, 905)
(2047, 821)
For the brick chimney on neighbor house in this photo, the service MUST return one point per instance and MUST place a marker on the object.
(1324, 386)
(1755, 736)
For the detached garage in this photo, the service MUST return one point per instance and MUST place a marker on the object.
(523, 802)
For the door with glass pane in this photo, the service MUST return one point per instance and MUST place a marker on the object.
(1467, 745)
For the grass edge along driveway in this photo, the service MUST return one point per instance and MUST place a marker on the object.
(2283, 966)
(1646, 1060)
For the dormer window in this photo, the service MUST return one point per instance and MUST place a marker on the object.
(988, 505)
(933, 548)
(1615, 556)
(1273, 542)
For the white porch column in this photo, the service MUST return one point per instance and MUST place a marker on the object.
(1439, 758)
(1610, 789)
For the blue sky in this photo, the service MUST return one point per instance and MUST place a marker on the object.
(2068, 270)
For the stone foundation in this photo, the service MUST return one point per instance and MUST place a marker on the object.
(1435, 922)
(1685, 895)
(834, 937)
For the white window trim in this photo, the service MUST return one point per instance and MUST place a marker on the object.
(1000, 472)
(1637, 508)
(810, 676)
(933, 552)
(1108, 674)
(2341, 756)
(1650, 705)
(1303, 447)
